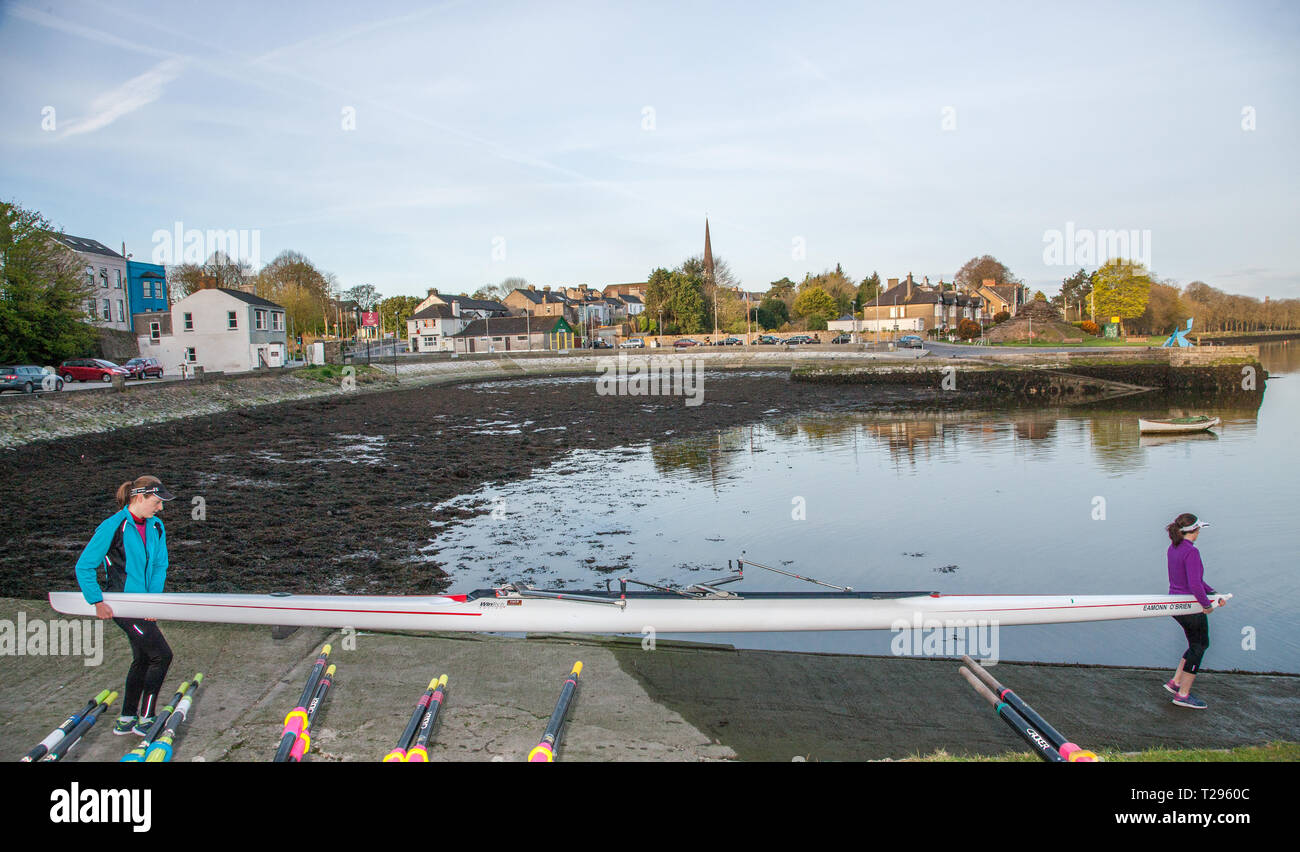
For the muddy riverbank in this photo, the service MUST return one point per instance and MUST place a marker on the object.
(336, 493)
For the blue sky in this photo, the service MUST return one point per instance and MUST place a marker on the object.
(585, 142)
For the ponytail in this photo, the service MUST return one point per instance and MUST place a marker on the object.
(1175, 530)
(123, 494)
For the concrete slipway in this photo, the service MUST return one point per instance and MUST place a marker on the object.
(679, 702)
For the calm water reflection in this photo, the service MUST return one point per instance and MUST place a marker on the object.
(1072, 500)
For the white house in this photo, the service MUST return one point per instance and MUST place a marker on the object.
(216, 329)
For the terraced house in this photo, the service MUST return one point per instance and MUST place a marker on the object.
(108, 300)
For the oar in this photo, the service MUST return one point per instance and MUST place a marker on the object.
(420, 752)
(136, 755)
(61, 731)
(160, 750)
(398, 754)
(303, 742)
(59, 749)
(297, 718)
(1015, 721)
(1068, 750)
(544, 751)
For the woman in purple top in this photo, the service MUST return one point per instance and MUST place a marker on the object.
(1187, 577)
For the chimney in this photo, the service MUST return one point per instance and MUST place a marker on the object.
(893, 282)
(455, 307)
(546, 289)
(908, 297)
(433, 291)
(532, 286)
(988, 282)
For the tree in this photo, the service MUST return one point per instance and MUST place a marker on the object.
(1075, 293)
(395, 311)
(1121, 288)
(1164, 309)
(814, 302)
(43, 292)
(365, 295)
(835, 283)
(772, 313)
(867, 290)
(978, 269)
(291, 280)
(497, 292)
(781, 289)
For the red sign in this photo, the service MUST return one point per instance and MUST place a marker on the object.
(370, 319)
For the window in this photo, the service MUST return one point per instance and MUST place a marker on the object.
(155, 330)
(103, 277)
(90, 276)
(259, 318)
(277, 321)
(189, 321)
(232, 320)
(189, 355)
(107, 315)
(121, 315)
(117, 279)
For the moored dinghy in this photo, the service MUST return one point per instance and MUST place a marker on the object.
(1199, 423)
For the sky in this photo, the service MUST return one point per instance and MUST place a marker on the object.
(455, 144)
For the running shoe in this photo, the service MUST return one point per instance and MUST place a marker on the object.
(1191, 701)
(1171, 687)
(125, 725)
(142, 727)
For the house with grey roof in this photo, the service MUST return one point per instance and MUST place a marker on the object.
(108, 296)
(216, 329)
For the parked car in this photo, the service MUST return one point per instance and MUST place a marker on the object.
(26, 379)
(143, 368)
(800, 339)
(633, 343)
(909, 341)
(732, 341)
(767, 340)
(90, 370)
(842, 338)
(684, 343)
(601, 343)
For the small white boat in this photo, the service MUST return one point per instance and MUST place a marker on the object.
(1200, 423)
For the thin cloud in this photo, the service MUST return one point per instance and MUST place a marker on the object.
(127, 98)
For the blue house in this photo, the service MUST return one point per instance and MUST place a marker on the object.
(148, 288)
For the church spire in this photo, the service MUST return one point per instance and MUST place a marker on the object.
(708, 252)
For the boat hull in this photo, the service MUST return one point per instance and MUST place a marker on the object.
(768, 612)
(1170, 427)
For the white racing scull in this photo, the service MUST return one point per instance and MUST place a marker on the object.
(520, 609)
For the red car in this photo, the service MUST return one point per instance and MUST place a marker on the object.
(90, 370)
(143, 368)
(685, 342)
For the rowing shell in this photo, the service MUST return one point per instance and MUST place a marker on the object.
(498, 610)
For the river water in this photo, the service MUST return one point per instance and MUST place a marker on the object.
(1061, 501)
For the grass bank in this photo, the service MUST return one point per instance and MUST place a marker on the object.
(1279, 751)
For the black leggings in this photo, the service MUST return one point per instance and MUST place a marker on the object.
(153, 656)
(1197, 627)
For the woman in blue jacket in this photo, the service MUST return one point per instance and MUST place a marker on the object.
(132, 548)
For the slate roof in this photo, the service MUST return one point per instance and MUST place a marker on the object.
(247, 297)
(505, 326)
(85, 244)
(434, 312)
